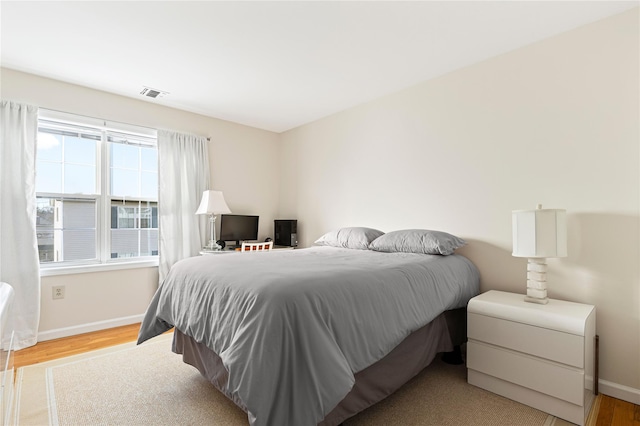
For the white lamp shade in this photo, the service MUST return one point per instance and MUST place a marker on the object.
(213, 203)
(539, 233)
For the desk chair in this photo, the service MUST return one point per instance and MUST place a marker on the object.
(267, 246)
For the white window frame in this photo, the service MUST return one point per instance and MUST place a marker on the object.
(103, 261)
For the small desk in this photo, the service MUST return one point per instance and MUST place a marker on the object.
(227, 251)
(205, 252)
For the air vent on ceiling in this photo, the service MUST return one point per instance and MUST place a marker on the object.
(152, 93)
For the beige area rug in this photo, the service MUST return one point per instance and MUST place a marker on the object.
(150, 385)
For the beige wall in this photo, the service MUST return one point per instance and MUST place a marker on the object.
(553, 123)
(239, 157)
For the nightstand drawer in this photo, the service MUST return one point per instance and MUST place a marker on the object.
(552, 379)
(554, 345)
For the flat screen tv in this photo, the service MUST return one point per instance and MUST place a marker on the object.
(238, 228)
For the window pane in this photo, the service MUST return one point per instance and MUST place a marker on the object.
(154, 216)
(133, 243)
(149, 242)
(79, 179)
(125, 156)
(66, 229)
(124, 243)
(149, 185)
(147, 212)
(134, 229)
(126, 217)
(125, 183)
(123, 213)
(48, 176)
(44, 228)
(49, 147)
(78, 150)
(149, 159)
(79, 244)
(76, 220)
(78, 214)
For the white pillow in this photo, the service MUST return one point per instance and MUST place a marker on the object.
(351, 237)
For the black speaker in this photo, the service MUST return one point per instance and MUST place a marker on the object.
(286, 233)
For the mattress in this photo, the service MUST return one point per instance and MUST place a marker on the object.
(293, 328)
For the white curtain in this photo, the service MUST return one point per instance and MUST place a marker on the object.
(183, 162)
(19, 261)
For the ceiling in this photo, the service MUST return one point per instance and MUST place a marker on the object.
(272, 65)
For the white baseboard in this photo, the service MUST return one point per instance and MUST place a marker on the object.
(622, 392)
(87, 328)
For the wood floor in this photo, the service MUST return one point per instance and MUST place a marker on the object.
(59, 348)
(613, 412)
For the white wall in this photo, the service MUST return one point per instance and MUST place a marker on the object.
(243, 166)
(553, 123)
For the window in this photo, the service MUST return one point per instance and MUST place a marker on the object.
(97, 191)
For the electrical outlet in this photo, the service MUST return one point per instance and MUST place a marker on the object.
(58, 292)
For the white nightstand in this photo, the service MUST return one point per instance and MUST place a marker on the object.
(539, 355)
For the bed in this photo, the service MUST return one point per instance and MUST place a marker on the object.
(311, 336)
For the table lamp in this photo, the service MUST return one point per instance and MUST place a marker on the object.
(212, 204)
(537, 235)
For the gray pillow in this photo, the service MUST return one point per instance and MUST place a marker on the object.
(350, 237)
(417, 241)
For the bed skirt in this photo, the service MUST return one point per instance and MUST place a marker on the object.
(372, 384)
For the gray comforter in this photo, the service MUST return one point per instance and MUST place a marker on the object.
(293, 326)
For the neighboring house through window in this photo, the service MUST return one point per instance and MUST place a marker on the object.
(97, 190)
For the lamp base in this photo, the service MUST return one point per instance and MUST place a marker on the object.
(208, 249)
(537, 300)
(212, 246)
(537, 281)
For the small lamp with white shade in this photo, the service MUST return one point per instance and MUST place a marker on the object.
(212, 204)
(537, 235)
